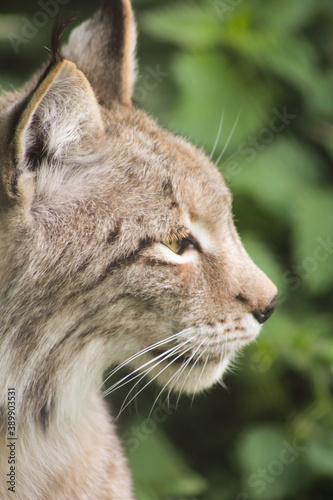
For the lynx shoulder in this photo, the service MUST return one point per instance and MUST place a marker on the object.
(117, 246)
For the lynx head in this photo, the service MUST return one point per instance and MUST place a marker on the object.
(117, 237)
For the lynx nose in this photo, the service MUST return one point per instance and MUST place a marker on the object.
(262, 316)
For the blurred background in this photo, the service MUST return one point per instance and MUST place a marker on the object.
(266, 66)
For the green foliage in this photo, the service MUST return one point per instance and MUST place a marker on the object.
(256, 59)
(167, 473)
(271, 462)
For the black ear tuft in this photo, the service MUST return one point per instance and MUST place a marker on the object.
(58, 30)
(103, 48)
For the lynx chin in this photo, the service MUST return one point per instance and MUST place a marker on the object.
(117, 246)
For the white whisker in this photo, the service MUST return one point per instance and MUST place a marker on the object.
(183, 385)
(165, 385)
(144, 351)
(218, 136)
(229, 138)
(150, 381)
(161, 391)
(120, 384)
(201, 373)
(162, 357)
(138, 371)
(180, 372)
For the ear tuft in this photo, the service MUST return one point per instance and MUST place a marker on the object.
(57, 33)
(104, 49)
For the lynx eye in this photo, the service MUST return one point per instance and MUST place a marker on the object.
(179, 245)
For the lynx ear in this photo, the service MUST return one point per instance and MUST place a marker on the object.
(104, 49)
(58, 115)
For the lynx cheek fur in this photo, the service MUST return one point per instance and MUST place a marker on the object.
(116, 242)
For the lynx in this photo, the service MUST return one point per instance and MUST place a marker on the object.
(117, 246)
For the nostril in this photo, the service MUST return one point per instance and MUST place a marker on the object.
(262, 316)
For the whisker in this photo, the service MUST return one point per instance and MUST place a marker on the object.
(161, 391)
(144, 351)
(228, 159)
(182, 387)
(136, 404)
(148, 370)
(201, 373)
(164, 387)
(182, 368)
(177, 375)
(150, 381)
(136, 388)
(122, 383)
(229, 138)
(222, 352)
(138, 371)
(218, 136)
(161, 371)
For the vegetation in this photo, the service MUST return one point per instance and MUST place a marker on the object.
(267, 66)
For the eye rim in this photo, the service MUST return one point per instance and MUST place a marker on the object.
(183, 244)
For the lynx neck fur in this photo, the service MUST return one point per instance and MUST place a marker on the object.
(117, 245)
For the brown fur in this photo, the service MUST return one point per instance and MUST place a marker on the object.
(90, 188)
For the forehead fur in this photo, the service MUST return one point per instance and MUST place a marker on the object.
(139, 170)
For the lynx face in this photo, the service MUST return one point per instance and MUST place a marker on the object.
(117, 238)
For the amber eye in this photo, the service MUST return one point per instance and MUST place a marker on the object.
(179, 245)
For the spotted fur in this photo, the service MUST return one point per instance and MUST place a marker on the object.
(90, 187)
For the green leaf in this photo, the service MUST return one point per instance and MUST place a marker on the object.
(291, 340)
(293, 59)
(273, 173)
(208, 84)
(313, 238)
(190, 26)
(271, 462)
(157, 466)
(284, 15)
(320, 456)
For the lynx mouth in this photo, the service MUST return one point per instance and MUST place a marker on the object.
(189, 359)
(212, 357)
(175, 358)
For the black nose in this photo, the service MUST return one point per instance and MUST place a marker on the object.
(262, 316)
